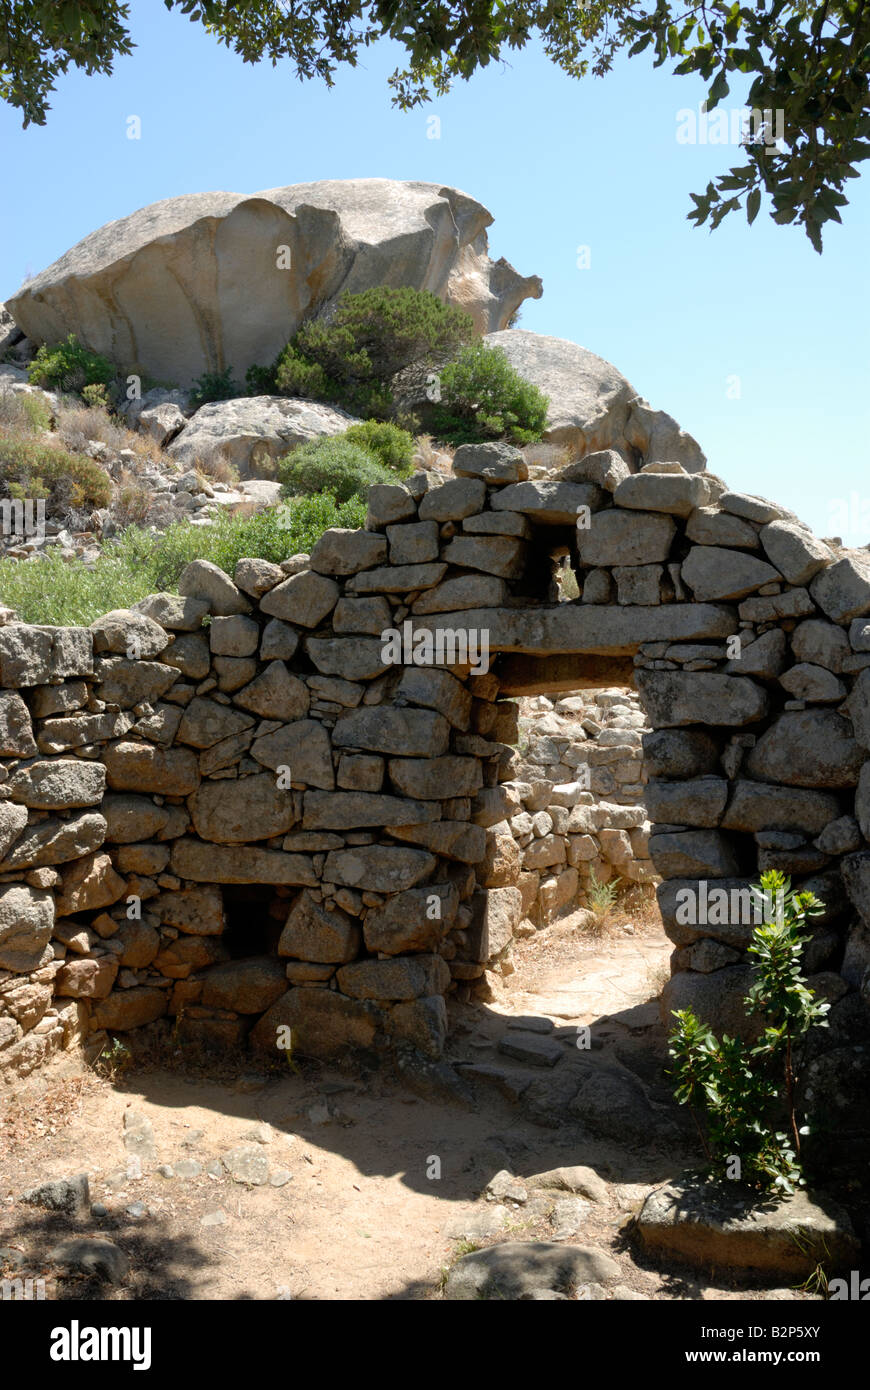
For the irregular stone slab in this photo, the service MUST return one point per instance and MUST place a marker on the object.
(129, 1008)
(764, 806)
(528, 1269)
(585, 628)
(256, 577)
(397, 579)
(679, 753)
(57, 784)
(437, 690)
(199, 911)
(68, 1195)
(233, 636)
(141, 767)
(305, 599)
(821, 644)
(713, 573)
(26, 922)
(174, 612)
(453, 500)
(710, 526)
(606, 468)
(389, 730)
(348, 810)
(132, 818)
(209, 863)
(89, 883)
(752, 508)
(251, 808)
(275, 694)
(86, 979)
(12, 821)
(378, 868)
(766, 657)
(503, 556)
(813, 684)
(160, 289)
(16, 730)
(697, 801)
(248, 986)
(679, 854)
(205, 723)
(613, 1102)
(406, 977)
(312, 933)
(252, 432)
(367, 615)
(794, 603)
(56, 841)
(452, 839)
(25, 655)
(247, 1164)
(550, 502)
(129, 633)
(323, 1024)
(795, 552)
(415, 920)
(585, 1182)
(344, 551)
(389, 502)
(617, 537)
(436, 778)
(495, 463)
(354, 658)
(203, 580)
(715, 1227)
(842, 591)
(725, 909)
(531, 1048)
(304, 748)
(129, 683)
(677, 493)
(716, 999)
(93, 1256)
(858, 708)
(673, 698)
(807, 748)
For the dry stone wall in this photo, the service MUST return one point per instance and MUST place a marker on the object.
(285, 802)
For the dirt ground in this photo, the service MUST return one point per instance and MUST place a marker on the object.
(373, 1190)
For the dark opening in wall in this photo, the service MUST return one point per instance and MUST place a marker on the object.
(255, 918)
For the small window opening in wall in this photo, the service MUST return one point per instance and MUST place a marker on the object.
(255, 918)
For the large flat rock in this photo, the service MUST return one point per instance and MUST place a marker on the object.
(592, 405)
(609, 630)
(209, 280)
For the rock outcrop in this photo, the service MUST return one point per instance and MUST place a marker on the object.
(207, 281)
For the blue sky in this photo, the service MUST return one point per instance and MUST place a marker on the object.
(757, 345)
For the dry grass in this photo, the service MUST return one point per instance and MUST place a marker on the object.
(24, 413)
(434, 458)
(77, 424)
(551, 457)
(132, 500)
(217, 468)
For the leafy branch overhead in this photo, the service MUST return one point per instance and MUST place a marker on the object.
(808, 62)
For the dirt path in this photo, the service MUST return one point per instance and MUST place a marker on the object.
(370, 1190)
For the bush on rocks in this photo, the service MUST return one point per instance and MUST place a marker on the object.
(484, 397)
(352, 357)
(392, 445)
(69, 366)
(333, 465)
(30, 469)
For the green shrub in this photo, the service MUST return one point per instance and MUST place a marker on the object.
(29, 468)
(51, 590)
(214, 386)
(352, 356)
(741, 1089)
(392, 445)
(69, 366)
(96, 395)
(332, 465)
(484, 397)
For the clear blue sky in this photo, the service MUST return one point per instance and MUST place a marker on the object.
(560, 164)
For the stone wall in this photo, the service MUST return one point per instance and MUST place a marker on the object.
(579, 781)
(261, 803)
